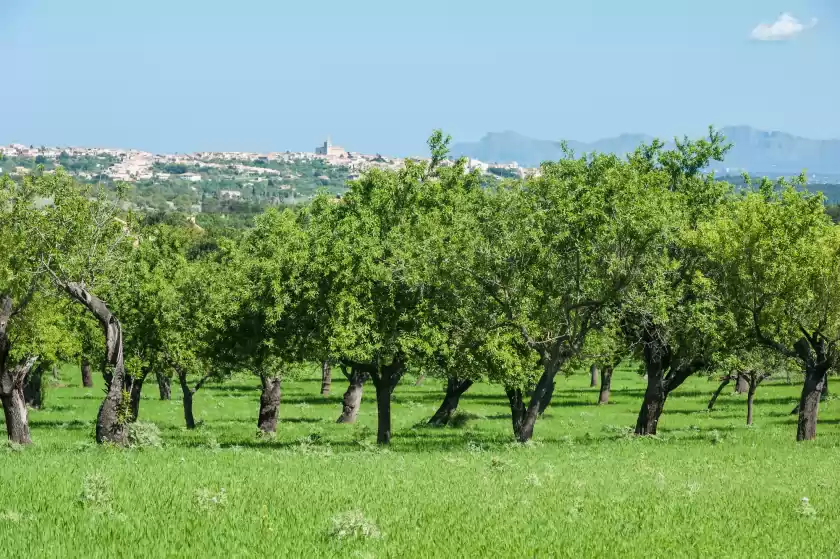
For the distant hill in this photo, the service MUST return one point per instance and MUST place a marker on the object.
(753, 150)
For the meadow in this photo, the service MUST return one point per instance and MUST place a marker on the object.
(706, 486)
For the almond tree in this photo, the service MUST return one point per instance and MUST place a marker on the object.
(672, 317)
(271, 330)
(83, 247)
(774, 257)
(369, 251)
(554, 253)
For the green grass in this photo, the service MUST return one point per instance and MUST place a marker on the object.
(708, 486)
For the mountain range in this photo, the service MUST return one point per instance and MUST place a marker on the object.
(755, 151)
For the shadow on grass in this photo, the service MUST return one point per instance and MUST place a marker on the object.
(71, 424)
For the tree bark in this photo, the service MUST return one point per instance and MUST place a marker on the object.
(541, 396)
(545, 401)
(455, 387)
(593, 375)
(353, 395)
(269, 404)
(652, 405)
(383, 413)
(750, 397)
(87, 378)
(17, 420)
(606, 385)
(111, 421)
(12, 380)
(809, 403)
(724, 383)
(135, 395)
(742, 386)
(385, 380)
(33, 387)
(517, 409)
(164, 386)
(326, 378)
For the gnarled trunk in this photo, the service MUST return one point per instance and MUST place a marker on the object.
(188, 394)
(352, 397)
(326, 378)
(111, 424)
(606, 384)
(17, 420)
(809, 403)
(517, 409)
(455, 387)
(164, 386)
(593, 375)
(87, 378)
(723, 384)
(269, 404)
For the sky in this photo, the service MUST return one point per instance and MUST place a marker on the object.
(380, 75)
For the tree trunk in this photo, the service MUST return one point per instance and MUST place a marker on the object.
(809, 403)
(724, 383)
(136, 392)
(593, 375)
(742, 386)
(420, 380)
(33, 388)
(12, 380)
(750, 397)
(269, 404)
(454, 389)
(517, 409)
(87, 378)
(606, 384)
(545, 401)
(326, 378)
(189, 417)
(352, 397)
(111, 420)
(17, 421)
(540, 399)
(653, 404)
(164, 386)
(383, 411)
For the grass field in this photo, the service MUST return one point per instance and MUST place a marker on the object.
(707, 486)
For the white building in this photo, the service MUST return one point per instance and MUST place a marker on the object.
(230, 194)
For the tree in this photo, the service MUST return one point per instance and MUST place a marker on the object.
(369, 250)
(83, 246)
(271, 329)
(773, 256)
(554, 253)
(672, 318)
(32, 324)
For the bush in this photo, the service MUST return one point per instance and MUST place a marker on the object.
(144, 435)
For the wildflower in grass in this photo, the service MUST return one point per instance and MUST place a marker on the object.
(208, 500)
(353, 525)
(96, 493)
(806, 508)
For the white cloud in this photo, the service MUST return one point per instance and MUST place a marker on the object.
(784, 28)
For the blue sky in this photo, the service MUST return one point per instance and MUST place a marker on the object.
(264, 75)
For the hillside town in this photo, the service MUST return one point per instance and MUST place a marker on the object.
(130, 165)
